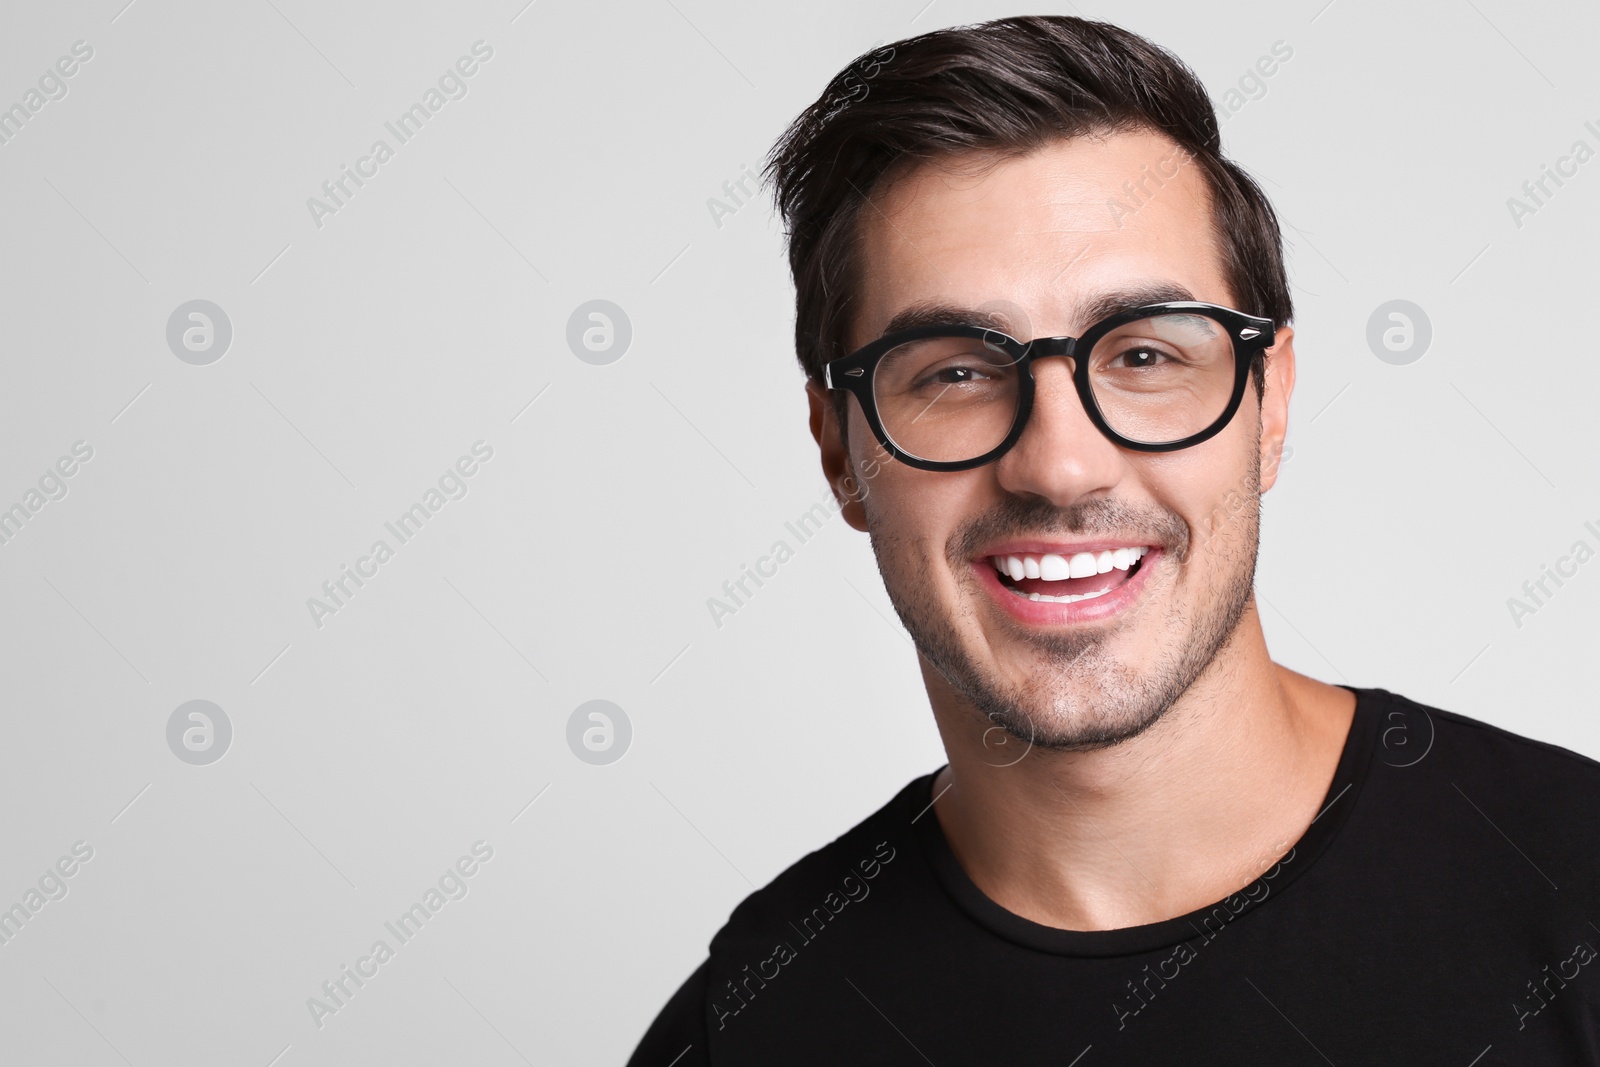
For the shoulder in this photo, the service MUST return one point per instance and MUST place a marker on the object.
(1411, 732)
(829, 878)
(677, 1037)
(772, 925)
(1476, 785)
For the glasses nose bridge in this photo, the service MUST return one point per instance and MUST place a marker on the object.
(1073, 427)
(1045, 347)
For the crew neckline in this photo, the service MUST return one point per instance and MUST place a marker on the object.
(1349, 776)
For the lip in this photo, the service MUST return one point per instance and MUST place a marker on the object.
(1048, 613)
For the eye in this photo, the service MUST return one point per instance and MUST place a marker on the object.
(955, 374)
(1139, 357)
(943, 368)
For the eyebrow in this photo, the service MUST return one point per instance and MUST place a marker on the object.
(1089, 310)
(935, 314)
(1103, 305)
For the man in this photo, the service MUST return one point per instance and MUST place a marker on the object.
(1045, 330)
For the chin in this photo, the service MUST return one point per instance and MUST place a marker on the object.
(1104, 704)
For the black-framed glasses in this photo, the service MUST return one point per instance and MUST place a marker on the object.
(1154, 378)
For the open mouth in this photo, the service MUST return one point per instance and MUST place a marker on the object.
(1068, 579)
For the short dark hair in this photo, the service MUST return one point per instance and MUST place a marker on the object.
(1002, 88)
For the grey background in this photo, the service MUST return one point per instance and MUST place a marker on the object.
(372, 352)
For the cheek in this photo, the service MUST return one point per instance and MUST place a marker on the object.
(908, 505)
(1211, 489)
(886, 485)
(913, 511)
(1236, 513)
(867, 455)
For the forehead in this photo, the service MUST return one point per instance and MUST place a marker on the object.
(1039, 237)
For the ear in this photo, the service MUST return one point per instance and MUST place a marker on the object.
(837, 467)
(1275, 405)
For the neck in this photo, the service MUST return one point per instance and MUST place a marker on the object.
(1193, 809)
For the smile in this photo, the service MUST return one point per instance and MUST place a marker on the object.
(1062, 579)
(1038, 583)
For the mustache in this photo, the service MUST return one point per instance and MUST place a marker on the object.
(1017, 517)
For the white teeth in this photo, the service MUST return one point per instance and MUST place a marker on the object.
(1053, 568)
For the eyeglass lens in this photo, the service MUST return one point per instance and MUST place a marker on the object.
(1155, 380)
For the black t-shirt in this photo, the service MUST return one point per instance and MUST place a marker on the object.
(1441, 909)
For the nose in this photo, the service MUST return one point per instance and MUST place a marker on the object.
(1061, 455)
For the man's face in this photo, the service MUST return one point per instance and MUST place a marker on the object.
(1035, 240)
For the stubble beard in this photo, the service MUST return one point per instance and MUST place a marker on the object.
(1081, 696)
